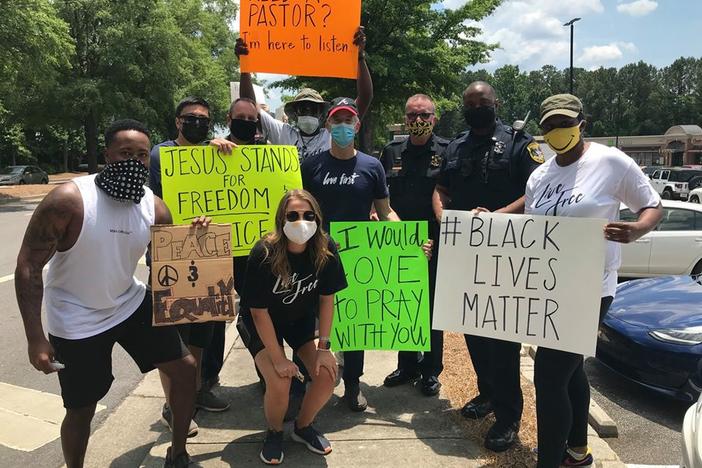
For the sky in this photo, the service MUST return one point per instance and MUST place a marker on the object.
(611, 33)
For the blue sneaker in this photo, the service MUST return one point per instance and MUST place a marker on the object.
(313, 440)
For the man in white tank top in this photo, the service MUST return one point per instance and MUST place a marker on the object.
(92, 232)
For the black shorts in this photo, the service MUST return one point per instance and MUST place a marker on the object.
(196, 334)
(88, 373)
(295, 333)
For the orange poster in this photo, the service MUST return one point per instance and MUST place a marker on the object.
(301, 37)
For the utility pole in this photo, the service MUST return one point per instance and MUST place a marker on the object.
(572, 28)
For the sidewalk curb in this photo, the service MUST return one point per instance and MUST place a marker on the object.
(605, 457)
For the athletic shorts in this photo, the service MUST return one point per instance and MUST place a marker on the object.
(88, 373)
(196, 334)
(295, 333)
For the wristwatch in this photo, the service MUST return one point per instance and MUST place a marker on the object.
(324, 344)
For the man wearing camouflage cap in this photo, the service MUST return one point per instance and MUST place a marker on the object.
(308, 110)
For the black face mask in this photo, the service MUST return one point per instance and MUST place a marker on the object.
(243, 130)
(195, 132)
(123, 180)
(479, 117)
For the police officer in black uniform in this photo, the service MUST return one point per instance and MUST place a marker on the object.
(486, 169)
(412, 167)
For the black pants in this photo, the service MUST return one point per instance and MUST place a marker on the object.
(496, 365)
(562, 400)
(431, 364)
(213, 355)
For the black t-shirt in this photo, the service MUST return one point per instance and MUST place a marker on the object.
(264, 290)
(344, 188)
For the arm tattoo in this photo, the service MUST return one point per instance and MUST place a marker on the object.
(46, 229)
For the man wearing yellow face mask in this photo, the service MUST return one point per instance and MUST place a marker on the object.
(412, 169)
(586, 180)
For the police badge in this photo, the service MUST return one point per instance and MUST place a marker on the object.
(436, 161)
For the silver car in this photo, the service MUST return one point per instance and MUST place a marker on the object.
(19, 175)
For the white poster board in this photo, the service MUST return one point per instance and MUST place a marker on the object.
(526, 279)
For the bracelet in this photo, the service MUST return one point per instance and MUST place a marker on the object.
(325, 350)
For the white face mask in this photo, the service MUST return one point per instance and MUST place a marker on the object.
(307, 124)
(300, 232)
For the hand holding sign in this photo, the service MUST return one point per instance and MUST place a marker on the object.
(301, 37)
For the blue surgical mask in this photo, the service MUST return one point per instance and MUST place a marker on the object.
(343, 134)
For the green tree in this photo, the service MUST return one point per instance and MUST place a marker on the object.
(412, 47)
(36, 48)
(138, 58)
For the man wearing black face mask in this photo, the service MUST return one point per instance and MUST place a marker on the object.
(193, 124)
(94, 230)
(486, 169)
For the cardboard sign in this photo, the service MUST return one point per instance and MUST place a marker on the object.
(386, 305)
(526, 279)
(192, 274)
(301, 37)
(243, 188)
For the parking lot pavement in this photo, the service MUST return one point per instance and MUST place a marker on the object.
(649, 424)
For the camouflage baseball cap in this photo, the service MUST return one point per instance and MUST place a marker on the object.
(305, 95)
(560, 104)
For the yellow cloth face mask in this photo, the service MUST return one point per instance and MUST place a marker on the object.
(562, 140)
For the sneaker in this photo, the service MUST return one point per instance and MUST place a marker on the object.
(167, 416)
(571, 458)
(313, 439)
(400, 377)
(208, 401)
(355, 399)
(182, 460)
(430, 386)
(272, 451)
(477, 408)
(501, 437)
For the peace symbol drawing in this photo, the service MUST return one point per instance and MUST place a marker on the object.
(167, 276)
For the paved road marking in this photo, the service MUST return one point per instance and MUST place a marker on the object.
(29, 418)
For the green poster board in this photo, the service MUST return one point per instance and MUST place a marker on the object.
(242, 188)
(386, 305)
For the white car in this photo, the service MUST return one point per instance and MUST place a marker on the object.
(696, 195)
(672, 182)
(673, 248)
(692, 437)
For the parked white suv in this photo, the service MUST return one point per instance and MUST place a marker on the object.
(672, 182)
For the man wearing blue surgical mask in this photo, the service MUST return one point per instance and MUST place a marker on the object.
(347, 184)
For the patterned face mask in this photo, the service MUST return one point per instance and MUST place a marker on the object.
(123, 180)
(420, 128)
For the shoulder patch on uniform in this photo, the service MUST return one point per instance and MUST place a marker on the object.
(535, 152)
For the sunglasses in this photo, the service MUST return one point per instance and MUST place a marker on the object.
(293, 216)
(195, 120)
(421, 115)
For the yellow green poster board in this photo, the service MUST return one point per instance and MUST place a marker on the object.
(386, 303)
(242, 188)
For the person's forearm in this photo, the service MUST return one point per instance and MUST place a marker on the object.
(246, 89)
(516, 207)
(364, 88)
(264, 327)
(438, 200)
(326, 314)
(649, 218)
(390, 216)
(29, 287)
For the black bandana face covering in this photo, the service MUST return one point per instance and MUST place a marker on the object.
(123, 180)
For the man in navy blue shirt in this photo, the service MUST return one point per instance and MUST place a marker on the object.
(347, 184)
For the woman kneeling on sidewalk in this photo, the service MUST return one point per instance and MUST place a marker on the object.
(291, 272)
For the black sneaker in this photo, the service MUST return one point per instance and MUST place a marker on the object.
(167, 416)
(208, 401)
(355, 399)
(399, 377)
(501, 437)
(181, 461)
(477, 408)
(430, 386)
(313, 440)
(272, 451)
